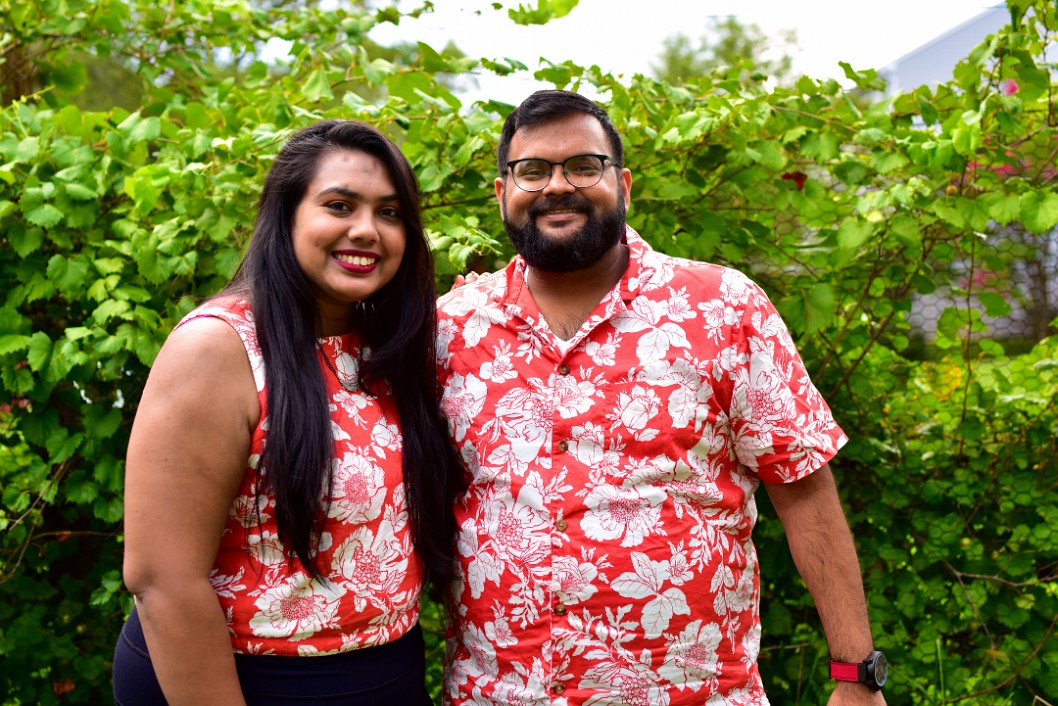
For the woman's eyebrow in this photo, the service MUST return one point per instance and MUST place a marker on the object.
(349, 193)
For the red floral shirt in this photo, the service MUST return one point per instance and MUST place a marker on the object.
(605, 537)
(374, 578)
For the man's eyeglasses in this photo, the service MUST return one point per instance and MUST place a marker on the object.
(581, 171)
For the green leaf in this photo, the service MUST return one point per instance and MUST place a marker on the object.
(69, 274)
(101, 422)
(768, 153)
(317, 87)
(1039, 211)
(28, 149)
(1001, 208)
(821, 146)
(853, 232)
(996, 305)
(11, 343)
(885, 162)
(39, 351)
(148, 129)
(109, 309)
(44, 216)
(544, 11)
(81, 192)
(467, 149)
(820, 307)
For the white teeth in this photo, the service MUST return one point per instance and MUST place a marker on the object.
(565, 210)
(358, 260)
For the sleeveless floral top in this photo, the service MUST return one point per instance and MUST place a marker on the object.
(373, 576)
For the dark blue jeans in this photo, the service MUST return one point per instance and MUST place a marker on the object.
(393, 673)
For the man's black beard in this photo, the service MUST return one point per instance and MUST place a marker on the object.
(573, 252)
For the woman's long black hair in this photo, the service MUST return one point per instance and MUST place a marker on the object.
(397, 323)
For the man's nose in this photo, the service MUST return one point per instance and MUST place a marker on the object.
(558, 183)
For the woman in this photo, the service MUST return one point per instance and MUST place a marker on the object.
(270, 572)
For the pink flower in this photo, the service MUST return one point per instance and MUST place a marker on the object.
(1009, 87)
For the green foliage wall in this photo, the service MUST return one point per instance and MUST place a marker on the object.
(113, 224)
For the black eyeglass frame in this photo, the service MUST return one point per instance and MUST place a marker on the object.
(565, 174)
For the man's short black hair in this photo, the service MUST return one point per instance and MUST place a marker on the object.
(547, 105)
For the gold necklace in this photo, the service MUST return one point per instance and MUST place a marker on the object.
(351, 384)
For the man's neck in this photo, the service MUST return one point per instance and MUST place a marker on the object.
(566, 299)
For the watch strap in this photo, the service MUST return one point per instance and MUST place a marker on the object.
(845, 671)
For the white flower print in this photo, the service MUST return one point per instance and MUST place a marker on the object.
(645, 315)
(371, 565)
(647, 581)
(462, 401)
(248, 510)
(690, 400)
(226, 586)
(628, 513)
(498, 630)
(572, 397)
(265, 548)
(517, 531)
(678, 307)
(718, 318)
(447, 332)
(680, 571)
(571, 580)
(500, 368)
(295, 609)
(735, 287)
(588, 443)
(337, 431)
(692, 657)
(619, 683)
(524, 416)
(353, 404)
(482, 660)
(385, 437)
(603, 354)
(270, 604)
(358, 489)
(772, 327)
(635, 410)
(473, 301)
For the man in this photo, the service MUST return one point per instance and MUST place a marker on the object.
(616, 408)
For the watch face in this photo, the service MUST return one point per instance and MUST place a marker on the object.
(880, 669)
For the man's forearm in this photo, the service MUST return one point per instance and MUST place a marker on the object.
(823, 550)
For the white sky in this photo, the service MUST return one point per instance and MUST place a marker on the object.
(625, 36)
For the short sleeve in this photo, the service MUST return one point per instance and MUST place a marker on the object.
(781, 426)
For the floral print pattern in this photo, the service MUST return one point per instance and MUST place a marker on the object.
(605, 535)
(373, 577)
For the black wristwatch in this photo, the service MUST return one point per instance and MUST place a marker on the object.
(873, 671)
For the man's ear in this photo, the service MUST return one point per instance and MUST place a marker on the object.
(625, 178)
(500, 187)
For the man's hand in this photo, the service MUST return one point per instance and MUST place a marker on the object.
(853, 694)
(468, 278)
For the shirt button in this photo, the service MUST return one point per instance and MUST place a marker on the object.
(562, 446)
(561, 525)
(560, 609)
(563, 370)
(558, 688)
